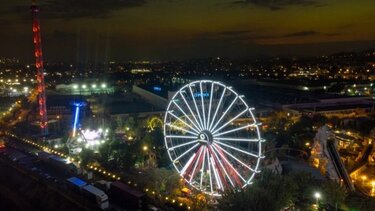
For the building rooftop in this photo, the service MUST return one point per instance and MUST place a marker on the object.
(76, 181)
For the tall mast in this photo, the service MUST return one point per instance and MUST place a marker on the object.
(39, 69)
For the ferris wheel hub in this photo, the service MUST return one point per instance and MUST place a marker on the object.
(205, 137)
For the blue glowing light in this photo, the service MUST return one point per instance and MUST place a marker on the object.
(157, 88)
(198, 94)
(76, 116)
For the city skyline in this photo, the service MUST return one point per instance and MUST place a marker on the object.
(76, 31)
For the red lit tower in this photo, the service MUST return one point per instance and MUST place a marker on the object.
(39, 69)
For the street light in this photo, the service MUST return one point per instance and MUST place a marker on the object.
(145, 148)
(317, 196)
(364, 178)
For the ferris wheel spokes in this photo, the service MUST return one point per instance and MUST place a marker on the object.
(234, 130)
(178, 118)
(183, 154)
(197, 127)
(226, 160)
(225, 112)
(215, 168)
(181, 137)
(209, 169)
(196, 107)
(222, 166)
(181, 145)
(210, 105)
(237, 149)
(203, 109)
(238, 160)
(202, 170)
(217, 108)
(196, 164)
(237, 139)
(191, 111)
(181, 129)
(182, 172)
(230, 121)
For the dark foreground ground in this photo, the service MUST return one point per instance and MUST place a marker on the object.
(21, 191)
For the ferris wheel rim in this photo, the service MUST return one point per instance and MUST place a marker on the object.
(201, 123)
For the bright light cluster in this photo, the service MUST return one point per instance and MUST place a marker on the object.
(89, 139)
(93, 138)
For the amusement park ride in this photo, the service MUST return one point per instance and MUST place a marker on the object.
(211, 134)
(207, 145)
(80, 139)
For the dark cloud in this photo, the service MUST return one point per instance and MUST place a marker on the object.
(333, 34)
(235, 32)
(278, 4)
(311, 33)
(71, 9)
(250, 36)
(301, 34)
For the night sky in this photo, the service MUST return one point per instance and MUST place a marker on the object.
(103, 30)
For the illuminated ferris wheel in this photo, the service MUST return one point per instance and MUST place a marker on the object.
(212, 137)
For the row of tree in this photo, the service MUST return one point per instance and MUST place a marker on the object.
(292, 192)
